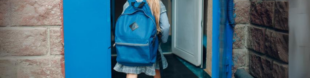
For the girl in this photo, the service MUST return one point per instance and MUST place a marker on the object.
(161, 18)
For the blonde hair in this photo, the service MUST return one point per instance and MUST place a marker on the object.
(155, 8)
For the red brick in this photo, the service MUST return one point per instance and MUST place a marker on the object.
(62, 24)
(23, 41)
(242, 11)
(35, 12)
(266, 64)
(262, 13)
(47, 67)
(239, 37)
(277, 45)
(256, 68)
(4, 12)
(256, 38)
(240, 58)
(62, 60)
(260, 66)
(7, 68)
(61, 11)
(62, 38)
(280, 70)
(281, 15)
(56, 45)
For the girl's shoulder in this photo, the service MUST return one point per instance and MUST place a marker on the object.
(162, 7)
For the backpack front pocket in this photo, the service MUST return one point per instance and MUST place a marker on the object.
(133, 54)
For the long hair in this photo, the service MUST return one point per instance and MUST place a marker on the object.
(155, 8)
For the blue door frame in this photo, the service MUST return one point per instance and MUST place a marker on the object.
(87, 38)
(222, 38)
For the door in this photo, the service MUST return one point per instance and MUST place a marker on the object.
(187, 28)
(87, 38)
(299, 47)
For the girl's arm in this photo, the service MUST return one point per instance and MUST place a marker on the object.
(164, 26)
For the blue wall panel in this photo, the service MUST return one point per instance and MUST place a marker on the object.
(87, 38)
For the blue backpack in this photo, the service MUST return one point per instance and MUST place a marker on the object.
(136, 38)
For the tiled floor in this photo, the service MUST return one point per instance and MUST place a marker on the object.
(176, 69)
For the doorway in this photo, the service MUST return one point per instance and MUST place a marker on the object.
(191, 49)
(96, 39)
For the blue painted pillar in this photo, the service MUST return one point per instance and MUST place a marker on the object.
(215, 38)
(222, 37)
(87, 38)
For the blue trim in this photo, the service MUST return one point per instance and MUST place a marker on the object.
(229, 31)
(215, 38)
(230, 13)
(223, 21)
(228, 49)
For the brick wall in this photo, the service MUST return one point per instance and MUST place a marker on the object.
(30, 39)
(261, 45)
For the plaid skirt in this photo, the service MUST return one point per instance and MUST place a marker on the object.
(148, 70)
